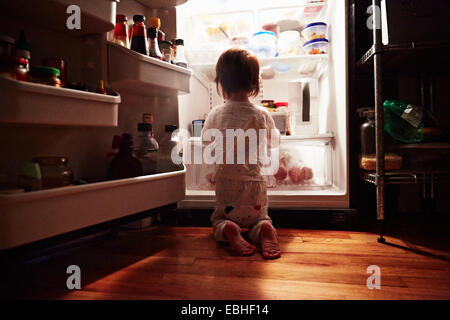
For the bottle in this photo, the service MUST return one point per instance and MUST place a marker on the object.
(147, 146)
(166, 50)
(23, 48)
(153, 47)
(139, 35)
(180, 60)
(168, 144)
(121, 31)
(155, 22)
(100, 89)
(125, 164)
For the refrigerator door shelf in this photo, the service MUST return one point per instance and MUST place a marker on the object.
(33, 103)
(96, 16)
(47, 213)
(132, 72)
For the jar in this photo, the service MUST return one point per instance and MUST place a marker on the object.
(6, 45)
(59, 64)
(45, 75)
(14, 67)
(55, 172)
(121, 31)
(166, 50)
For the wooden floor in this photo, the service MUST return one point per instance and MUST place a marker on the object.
(164, 262)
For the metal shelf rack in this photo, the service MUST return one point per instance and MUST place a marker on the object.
(395, 58)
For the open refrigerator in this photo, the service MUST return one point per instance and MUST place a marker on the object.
(38, 120)
(313, 85)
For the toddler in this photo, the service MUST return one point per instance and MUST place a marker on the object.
(241, 197)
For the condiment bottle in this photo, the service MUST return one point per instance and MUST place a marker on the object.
(100, 89)
(125, 164)
(139, 35)
(180, 60)
(155, 22)
(121, 31)
(153, 47)
(23, 48)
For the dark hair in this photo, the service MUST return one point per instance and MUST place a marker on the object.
(237, 70)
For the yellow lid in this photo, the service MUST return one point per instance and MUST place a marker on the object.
(155, 22)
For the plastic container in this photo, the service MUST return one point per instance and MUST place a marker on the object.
(317, 46)
(304, 107)
(289, 43)
(263, 44)
(315, 30)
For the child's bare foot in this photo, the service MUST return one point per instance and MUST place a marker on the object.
(239, 245)
(270, 248)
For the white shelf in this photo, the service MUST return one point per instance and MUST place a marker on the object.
(288, 67)
(132, 72)
(33, 103)
(161, 4)
(32, 216)
(96, 16)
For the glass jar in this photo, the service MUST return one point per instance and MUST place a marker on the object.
(166, 48)
(14, 67)
(55, 172)
(45, 75)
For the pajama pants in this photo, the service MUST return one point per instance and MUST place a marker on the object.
(244, 203)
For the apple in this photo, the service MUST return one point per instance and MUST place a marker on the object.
(297, 175)
(307, 173)
(281, 174)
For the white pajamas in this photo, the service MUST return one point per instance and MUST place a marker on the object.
(241, 196)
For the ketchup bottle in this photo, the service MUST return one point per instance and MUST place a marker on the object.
(139, 41)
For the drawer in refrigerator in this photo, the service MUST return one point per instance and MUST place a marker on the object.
(132, 72)
(303, 164)
(34, 103)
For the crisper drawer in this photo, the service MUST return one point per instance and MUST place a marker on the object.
(32, 216)
(305, 164)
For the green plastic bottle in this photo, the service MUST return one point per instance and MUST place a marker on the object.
(403, 121)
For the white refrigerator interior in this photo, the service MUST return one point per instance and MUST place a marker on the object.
(313, 84)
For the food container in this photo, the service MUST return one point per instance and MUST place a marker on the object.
(315, 30)
(59, 64)
(6, 45)
(55, 172)
(317, 46)
(272, 27)
(45, 75)
(289, 43)
(239, 41)
(166, 48)
(14, 67)
(263, 44)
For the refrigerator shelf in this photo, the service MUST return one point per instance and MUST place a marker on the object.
(286, 67)
(96, 16)
(132, 72)
(33, 103)
(409, 177)
(47, 213)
